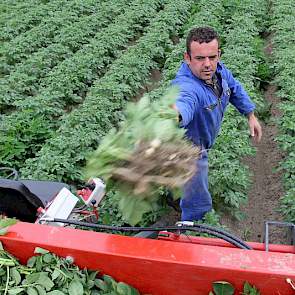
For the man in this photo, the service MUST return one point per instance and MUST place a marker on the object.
(206, 88)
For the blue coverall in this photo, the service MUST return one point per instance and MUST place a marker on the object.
(202, 112)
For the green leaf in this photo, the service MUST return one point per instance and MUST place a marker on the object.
(90, 284)
(124, 289)
(31, 261)
(45, 281)
(39, 250)
(5, 222)
(76, 288)
(223, 288)
(33, 278)
(40, 278)
(3, 231)
(41, 290)
(133, 208)
(250, 290)
(15, 275)
(48, 258)
(15, 291)
(92, 275)
(39, 263)
(1, 246)
(101, 284)
(110, 282)
(56, 292)
(56, 273)
(247, 287)
(32, 291)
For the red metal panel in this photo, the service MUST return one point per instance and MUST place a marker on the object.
(155, 266)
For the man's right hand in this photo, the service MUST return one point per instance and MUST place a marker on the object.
(255, 127)
(179, 119)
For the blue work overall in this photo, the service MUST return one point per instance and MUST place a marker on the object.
(201, 114)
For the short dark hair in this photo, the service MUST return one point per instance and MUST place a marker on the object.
(200, 34)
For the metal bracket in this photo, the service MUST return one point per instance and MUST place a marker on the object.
(288, 225)
(291, 283)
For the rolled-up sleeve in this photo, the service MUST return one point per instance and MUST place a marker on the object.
(239, 97)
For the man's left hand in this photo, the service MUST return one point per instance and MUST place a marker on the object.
(255, 127)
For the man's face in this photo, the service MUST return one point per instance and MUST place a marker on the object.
(203, 60)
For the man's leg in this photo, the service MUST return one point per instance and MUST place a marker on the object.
(196, 199)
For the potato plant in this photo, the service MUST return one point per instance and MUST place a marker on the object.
(283, 58)
(48, 274)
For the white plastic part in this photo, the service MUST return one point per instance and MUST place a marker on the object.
(184, 223)
(97, 194)
(60, 207)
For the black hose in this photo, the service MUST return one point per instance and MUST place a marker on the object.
(196, 228)
(221, 231)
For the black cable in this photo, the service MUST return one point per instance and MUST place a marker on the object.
(197, 228)
(224, 233)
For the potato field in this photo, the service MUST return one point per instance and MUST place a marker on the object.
(68, 68)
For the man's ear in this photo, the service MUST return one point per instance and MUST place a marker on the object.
(219, 54)
(187, 57)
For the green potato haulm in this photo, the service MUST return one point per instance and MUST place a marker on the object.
(49, 274)
(147, 152)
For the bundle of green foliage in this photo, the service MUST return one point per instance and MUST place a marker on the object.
(52, 275)
(147, 151)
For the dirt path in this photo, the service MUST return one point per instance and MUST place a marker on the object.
(267, 187)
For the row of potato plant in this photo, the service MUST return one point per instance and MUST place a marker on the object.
(26, 78)
(24, 15)
(282, 25)
(23, 45)
(63, 156)
(109, 211)
(68, 83)
(9, 9)
(229, 178)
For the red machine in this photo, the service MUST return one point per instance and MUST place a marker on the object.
(173, 263)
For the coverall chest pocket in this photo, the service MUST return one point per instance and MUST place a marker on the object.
(211, 114)
(225, 97)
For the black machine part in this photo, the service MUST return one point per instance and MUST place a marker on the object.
(22, 198)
